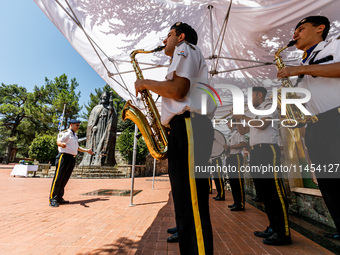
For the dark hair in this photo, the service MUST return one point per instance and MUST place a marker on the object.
(261, 90)
(324, 32)
(190, 33)
(316, 21)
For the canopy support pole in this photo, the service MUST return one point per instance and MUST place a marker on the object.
(133, 165)
(210, 7)
(154, 173)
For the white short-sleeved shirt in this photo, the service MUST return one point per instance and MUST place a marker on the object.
(268, 135)
(235, 138)
(325, 91)
(71, 140)
(188, 62)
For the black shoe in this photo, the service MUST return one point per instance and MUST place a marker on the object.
(62, 201)
(172, 230)
(237, 208)
(216, 197)
(219, 199)
(173, 238)
(276, 239)
(267, 233)
(54, 203)
(335, 235)
(231, 206)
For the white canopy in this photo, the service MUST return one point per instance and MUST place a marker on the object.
(105, 32)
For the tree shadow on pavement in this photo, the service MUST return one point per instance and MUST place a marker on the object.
(153, 240)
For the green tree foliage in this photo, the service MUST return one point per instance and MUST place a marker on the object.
(44, 148)
(60, 92)
(125, 146)
(25, 114)
(18, 105)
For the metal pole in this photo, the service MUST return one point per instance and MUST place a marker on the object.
(154, 172)
(133, 165)
(210, 7)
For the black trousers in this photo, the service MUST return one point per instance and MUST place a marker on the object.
(64, 167)
(218, 178)
(323, 144)
(270, 187)
(236, 179)
(190, 194)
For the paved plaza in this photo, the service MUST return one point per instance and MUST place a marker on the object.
(102, 224)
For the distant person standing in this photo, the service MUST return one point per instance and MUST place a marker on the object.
(68, 148)
(236, 143)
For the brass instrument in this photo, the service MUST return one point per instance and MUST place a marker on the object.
(292, 111)
(150, 126)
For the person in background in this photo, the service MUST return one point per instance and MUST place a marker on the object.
(68, 149)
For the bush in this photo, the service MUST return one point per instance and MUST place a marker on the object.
(125, 146)
(44, 148)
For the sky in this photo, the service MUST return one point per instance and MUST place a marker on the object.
(32, 48)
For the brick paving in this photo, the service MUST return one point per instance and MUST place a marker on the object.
(108, 225)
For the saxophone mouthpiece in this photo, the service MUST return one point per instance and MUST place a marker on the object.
(291, 43)
(159, 48)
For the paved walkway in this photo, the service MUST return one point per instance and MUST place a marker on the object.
(107, 225)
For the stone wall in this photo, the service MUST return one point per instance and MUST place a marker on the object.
(309, 207)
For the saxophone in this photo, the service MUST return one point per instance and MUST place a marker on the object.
(150, 126)
(292, 111)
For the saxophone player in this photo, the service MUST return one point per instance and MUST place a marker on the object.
(180, 112)
(319, 72)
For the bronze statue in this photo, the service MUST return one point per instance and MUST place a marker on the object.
(101, 133)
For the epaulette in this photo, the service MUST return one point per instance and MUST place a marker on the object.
(190, 45)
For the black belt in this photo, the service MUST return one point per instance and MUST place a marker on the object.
(325, 115)
(68, 155)
(238, 154)
(260, 145)
(186, 114)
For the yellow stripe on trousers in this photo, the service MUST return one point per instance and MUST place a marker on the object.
(239, 178)
(280, 194)
(56, 175)
(193, 190)
(220, 180)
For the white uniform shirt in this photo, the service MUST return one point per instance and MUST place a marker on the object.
(268, 135)
(325, 91)
(71, 141)
(235, 138)
(187, 63)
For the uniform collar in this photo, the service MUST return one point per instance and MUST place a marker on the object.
(72, 131)
(307, 53)
(315, 48)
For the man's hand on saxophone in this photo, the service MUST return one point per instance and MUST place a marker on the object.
(289, 71)
(177, 88)
(325, 70)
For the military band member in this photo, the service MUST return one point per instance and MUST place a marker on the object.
(319, 72)
(236, 143)
(68, 149)
(265, 151)
(218, 179)
(190, 139)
